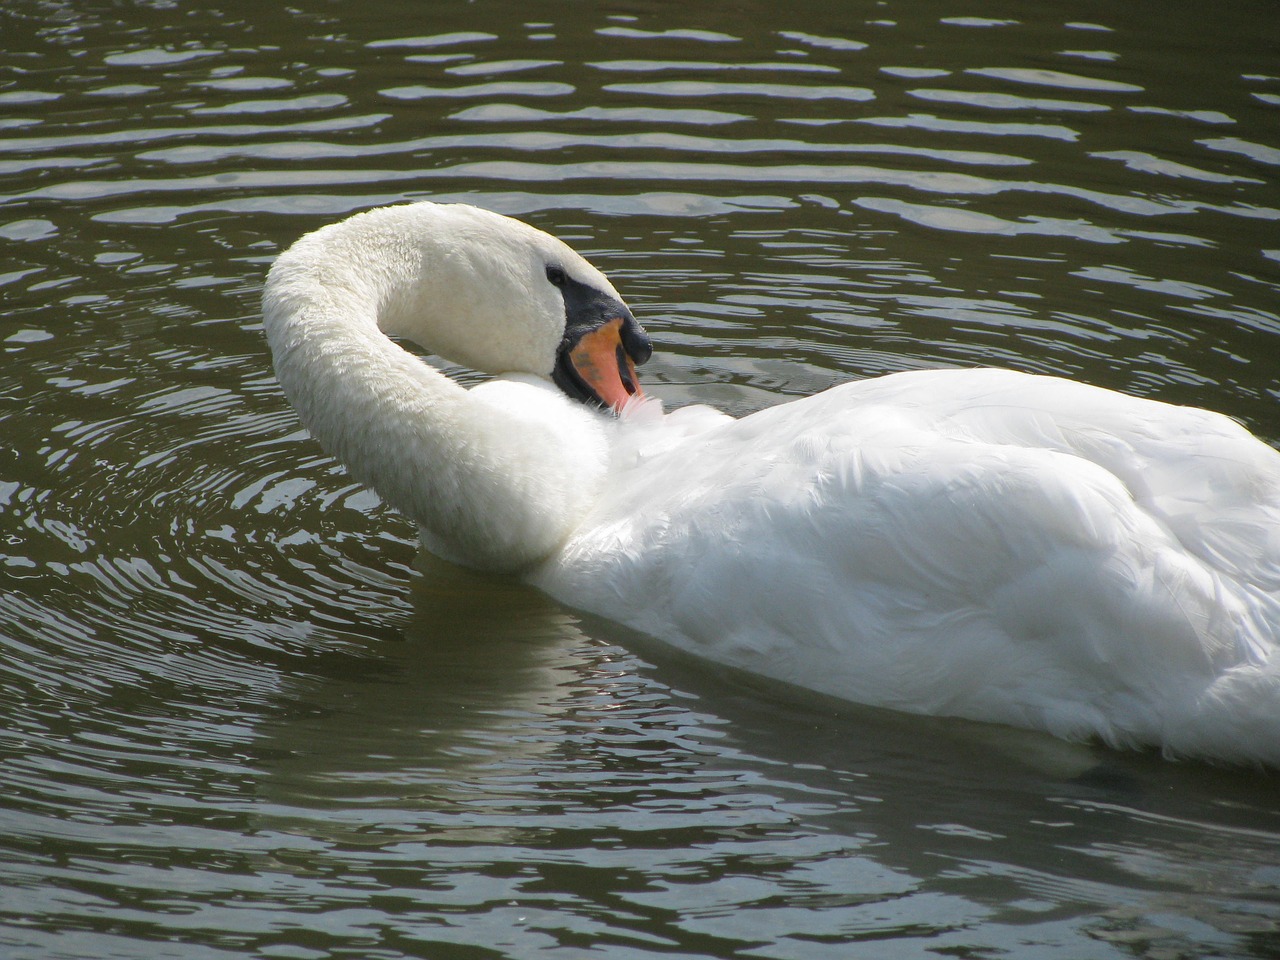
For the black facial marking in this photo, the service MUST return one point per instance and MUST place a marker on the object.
(586, 308)
(566, 377)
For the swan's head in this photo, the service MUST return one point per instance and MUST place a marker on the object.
(502, 297)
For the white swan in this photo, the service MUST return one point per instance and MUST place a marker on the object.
(976, 543)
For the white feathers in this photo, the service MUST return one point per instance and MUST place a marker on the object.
(976, 543)
(496, 479)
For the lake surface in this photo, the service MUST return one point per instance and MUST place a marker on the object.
(242, 717)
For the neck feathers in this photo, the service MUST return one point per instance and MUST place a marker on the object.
(492, 485)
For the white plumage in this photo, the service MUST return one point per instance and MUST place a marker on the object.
(977, 543)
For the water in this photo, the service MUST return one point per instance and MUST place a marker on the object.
(243, 718)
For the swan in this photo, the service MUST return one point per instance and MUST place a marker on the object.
(978, 543)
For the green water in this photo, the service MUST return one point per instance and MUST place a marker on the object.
(242, 717)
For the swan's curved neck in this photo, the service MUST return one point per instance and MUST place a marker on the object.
(491, 485)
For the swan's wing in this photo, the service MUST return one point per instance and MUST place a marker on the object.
(1214, 487)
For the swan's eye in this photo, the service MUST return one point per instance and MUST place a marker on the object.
(556, 276)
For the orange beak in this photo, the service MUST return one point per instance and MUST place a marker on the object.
(603, 366)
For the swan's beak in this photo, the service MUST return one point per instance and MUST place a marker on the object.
(598, 364)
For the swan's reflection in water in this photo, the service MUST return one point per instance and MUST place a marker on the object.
(452, 693)
(506, 772)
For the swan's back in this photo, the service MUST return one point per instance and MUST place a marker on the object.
(977, 543)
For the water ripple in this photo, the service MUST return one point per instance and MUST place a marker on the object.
(1005, 101)
(1054, 78)
(507, 88)
(701, 88)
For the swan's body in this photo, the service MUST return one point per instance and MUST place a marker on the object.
(976, 543)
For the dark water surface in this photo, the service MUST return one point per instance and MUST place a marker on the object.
(242, 718)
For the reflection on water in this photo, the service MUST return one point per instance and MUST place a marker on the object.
(243, 718)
